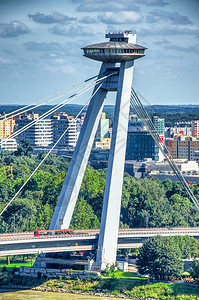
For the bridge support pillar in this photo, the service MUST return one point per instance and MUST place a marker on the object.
(107, 244)
(72, 183)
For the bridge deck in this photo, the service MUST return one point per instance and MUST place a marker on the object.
(26, 243)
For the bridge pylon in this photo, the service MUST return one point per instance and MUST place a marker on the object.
(117, 57)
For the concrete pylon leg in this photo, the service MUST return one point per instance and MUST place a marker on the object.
(72, 183)
(107, 244)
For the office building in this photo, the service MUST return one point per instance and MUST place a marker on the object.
(103, 127)
(6, 127)
(183, 147)
(195, 128)
(39, 135)
(60, 123)
(160, 126)
(9, 145)
(170, 131)
(104, 143)
(140, 145)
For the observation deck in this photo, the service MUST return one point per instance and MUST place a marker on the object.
(121, 47)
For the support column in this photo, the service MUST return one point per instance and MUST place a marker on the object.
(107, 245)
(72, 183)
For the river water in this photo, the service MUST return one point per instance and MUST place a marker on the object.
(28, 294)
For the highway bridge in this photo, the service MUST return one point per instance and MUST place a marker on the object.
(26, 243)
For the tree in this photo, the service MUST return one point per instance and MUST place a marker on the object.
(25, 213)
(188, 245)
(25, 149)
(159, 259)
(45, 217)
(194, 271)
(182, 211)
(143, 203)
(84, 217)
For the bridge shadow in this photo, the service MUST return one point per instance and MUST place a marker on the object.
(11, 280)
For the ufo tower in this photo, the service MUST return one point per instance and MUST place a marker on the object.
(117, 57)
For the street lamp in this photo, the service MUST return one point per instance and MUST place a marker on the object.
(14, 220)
(147, 221)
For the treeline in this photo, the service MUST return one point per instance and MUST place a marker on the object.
(145, 203)
(162, 257)
(172, 118)
(171, 113)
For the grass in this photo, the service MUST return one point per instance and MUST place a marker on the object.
(129, 288)
(128, 275)
(15, 263)
(127, 284)
(164, 291)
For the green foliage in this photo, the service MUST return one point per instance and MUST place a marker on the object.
(84, 217)
(194, 271)
(25, 149)
(150, 203)
(145, 202)
(160, 257)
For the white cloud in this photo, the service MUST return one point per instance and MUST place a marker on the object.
(119, 17)
(114, 5)
(167, 30)
(55, 17)
(160, 15)
(5, 61)
(13, 29)
(71, 31)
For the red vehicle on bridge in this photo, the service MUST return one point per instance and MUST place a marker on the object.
(58, 232)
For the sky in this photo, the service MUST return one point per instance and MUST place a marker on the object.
(40, 46)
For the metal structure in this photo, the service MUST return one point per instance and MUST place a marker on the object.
(26, 243)
(117, 57)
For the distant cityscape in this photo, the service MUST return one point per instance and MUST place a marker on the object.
(143, 156)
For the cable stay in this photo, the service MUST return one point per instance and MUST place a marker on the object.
(46, 114)
(58, 106)
(18, 192)
(20, 189)
(42, 101)
(143, 115)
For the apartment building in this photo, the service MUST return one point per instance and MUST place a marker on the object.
(183, 147)
(60, 123)
(6, 127)
(39, 135)
(195, 128)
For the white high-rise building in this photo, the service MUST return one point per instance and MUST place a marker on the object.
(9, 145)
(39, 135)
(59, 124)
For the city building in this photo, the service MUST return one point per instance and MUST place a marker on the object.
(160, 126)
(9, 145)
(104, 143)
(60, 123)
(161, 170)
(195, 128)
(171, 131)
(39, 135)
(183, 147)
(140, 144)
(6, 127)
(103, 127)
(196, 156)
(103, 137)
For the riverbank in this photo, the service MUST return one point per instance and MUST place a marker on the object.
(127, 285)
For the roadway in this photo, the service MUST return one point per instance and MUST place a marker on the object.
(26, 243)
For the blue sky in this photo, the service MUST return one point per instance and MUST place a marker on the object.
(40, 46)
